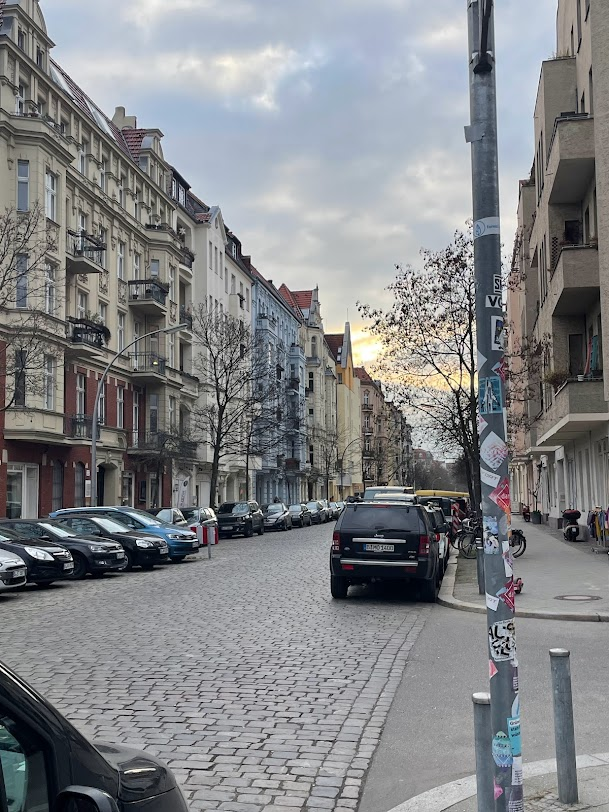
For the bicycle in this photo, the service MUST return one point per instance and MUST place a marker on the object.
(465, 541)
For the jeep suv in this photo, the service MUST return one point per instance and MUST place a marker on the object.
(378, 541)
(239, 518)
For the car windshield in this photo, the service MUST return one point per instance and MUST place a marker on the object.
(313, 505)
(296, 507)
(57, 529)
(111, 526)
(235, 508)
(275, 509)
(145, 519)
(8, 535)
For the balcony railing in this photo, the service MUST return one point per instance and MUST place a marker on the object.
(83, 246)
(78, 426)
(185, 316)
(162, 441)
(313, 361)
(86, 334)
(367, 407)
(148, 362)
(292, 464)
(147, 289)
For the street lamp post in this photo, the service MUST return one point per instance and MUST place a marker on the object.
(100, 387)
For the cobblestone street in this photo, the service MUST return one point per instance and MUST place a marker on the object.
(242, 673)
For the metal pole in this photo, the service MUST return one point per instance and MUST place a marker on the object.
(498, 562)
(483, 739)
(480, 565)
(564, 730)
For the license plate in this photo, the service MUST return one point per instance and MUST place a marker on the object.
(379, 548)
(164, 549)
(69, 566)
(227, 527)
(120, 555)
(19, 573)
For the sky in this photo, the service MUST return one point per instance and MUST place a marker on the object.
(329, 132)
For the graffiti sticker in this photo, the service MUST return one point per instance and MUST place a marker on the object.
(502, 640)
(493, 451)
(492, 668)
(490, 535)
(508, 595)
(482, 424)
(490, 400)
(497, 333)
(517, 773)
(492, 602)
(501, 369)
(501, 495)
(502, 750)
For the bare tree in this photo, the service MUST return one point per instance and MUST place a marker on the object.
(429, 348)
(240, 399)
(161, 450)
(29, 300)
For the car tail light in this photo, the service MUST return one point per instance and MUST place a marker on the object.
(335, 542)
(437, 537)
(424, 545)
(348, 567)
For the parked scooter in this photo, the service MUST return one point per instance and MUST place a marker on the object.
(526, 513)
(571, 528)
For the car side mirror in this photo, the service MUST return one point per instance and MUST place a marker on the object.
(44, 538)
(85, 799)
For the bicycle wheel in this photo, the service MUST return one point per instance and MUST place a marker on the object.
(456, 540)
(468, 546)
(518, 543)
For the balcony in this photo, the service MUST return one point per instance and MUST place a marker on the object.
(292, 464)
(87, 339)
(293, 386)
(34, 425)
(187, 258)
(186, 316)
(78, 427)
(579, 407)
(574, 287)
(297, 353)
(313, 361)
(294, 424)
(571, 161)
(85, 253)
(148, 367)
(161, 442)
(367, 430)
(148, 296)
(367, 407)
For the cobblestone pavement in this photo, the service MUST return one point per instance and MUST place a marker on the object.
(242, 673)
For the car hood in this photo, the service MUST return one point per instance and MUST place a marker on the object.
(141, 775)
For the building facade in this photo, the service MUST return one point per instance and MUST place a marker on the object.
(558, 305)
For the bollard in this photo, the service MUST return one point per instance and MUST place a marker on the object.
(564, 730)
(483, 739)
(480, 566)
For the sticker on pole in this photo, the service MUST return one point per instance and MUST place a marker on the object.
(490, 400)
(516, 805)
(502, 640)
(514, 735)
(492, 480)
(490, 535)
(492, 668)
(487, 226)
(492, 603)
(494, 301)
(481, 360)
(508, 595)
(501, 495)
(482, 424)
(497, 333)
(517, 772)
(493, 451)
(498, 791)
(501, 369)
(502, 750)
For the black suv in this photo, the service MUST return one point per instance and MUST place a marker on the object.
(378, 541)
(239, 518)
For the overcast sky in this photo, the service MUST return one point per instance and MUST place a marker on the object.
(330, 132)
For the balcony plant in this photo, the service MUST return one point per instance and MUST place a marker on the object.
(556, 378)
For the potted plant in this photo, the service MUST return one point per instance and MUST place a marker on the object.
(556, 378)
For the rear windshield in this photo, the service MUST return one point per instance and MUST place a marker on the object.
(381, 517)
(314, 505)
(234, 507)
(275, 509)
(295, 507)
(190, 513)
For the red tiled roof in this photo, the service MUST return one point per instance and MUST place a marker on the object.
(133, 139)
(288, 297)
(362, 374)
(335, 343)
(203, 217)
(303, 298)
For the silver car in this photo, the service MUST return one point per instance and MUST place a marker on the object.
(13, 570)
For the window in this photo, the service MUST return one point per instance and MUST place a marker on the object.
(311, 381)
(171, 350)
(22, 758)
(20, 101)
(366, 398)
(247, 299)
(120, 332)
(57, 491)
(340, 377)
(211, 255)
(103, 312)
(233, 283)
(136, 417)
(172, 283)
(21, 280)
(121, 191)
(82, 222)
(311, 455)
(579, 23)
(171, 413)
(155, 266)
(103, 175)
(23, 185)
(153, 409)
(49, 289)
(20, 366)
(221, 264)
(143, 163)
(120, 260)
(40, 57)
(21, 39)
(79, 485)
(137, 265)
(82, 304)
(51, 196)
(81, 394)
(101, 409)
(216, 259)
(101, 255)
(314, 347)
(49, 383)
(120, 407)
(83, 161)
(137, 203)
(590, 93)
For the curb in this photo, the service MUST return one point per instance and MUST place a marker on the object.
(443, 798)
(447, 598)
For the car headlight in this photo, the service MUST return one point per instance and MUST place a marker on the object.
(41, 555)
(178, 537)
(97, 548)
(143, 543)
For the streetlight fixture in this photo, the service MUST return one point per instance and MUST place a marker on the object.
(100, 387)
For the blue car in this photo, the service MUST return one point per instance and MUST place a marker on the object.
(180, 541)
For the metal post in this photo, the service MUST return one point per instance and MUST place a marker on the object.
(483, 739)
(564, 730)
(498, 562)
(480, 565)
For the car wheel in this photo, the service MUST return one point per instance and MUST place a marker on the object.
(176, 560)
(290, 525)
(80, 567)
(338, 587)
(149, 567)
(128, 563)
(310, 521)
(249, 531)
(428, 589)
(43, 584)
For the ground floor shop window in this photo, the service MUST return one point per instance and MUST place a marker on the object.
(79, 485)
(57, 497)
(22, 491)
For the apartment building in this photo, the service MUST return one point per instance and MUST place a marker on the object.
(348, 415)
(320, 395)
(106, 286)
(558, 302)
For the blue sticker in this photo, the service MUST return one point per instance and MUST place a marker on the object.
(490, 535)
(489, 396)
(502, 750)
(514, 735)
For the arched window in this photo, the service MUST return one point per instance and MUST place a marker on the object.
(57, 490)
(79, 485)
(311, 381)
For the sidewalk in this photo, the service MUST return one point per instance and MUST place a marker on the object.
(541, 794)
(562, 580)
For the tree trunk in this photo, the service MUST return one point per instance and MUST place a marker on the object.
(247, 474)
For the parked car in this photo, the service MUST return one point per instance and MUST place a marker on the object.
(316, 509)
(169, 515)
(300, 515)
(277, 517)
(442, 529)
(396, 491)
(180, 540)
(91, 555)
(200, 516)
(45, 763)
(13, 571)
(335, 510)
(385, 541)
(141, 549)
(46, 562)
(240, 518)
